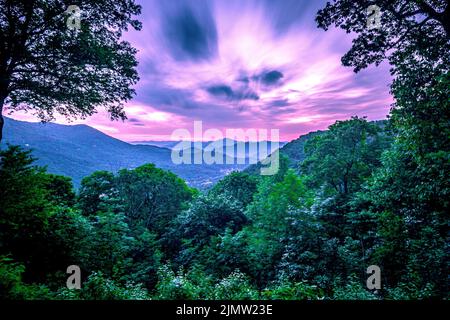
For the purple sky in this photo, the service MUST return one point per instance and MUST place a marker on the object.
(241, 64)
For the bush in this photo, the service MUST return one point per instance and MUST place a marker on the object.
(12, 286)
(98, 287)
(235, 287)
(293, 291)
(353, 290)
(180, 286)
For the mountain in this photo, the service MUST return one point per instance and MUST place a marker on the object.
(78, 150)
(249, 145)
(161, 144)
(293, 151)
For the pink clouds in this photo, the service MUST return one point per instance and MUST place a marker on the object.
(242, 64)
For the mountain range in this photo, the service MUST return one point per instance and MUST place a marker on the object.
(77, 151)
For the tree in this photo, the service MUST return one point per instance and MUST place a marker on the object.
(209, 216)
(151, 196)
(274, 213)
(24, 210)
(345, 155)
(12, 286)
(410, 190)
(59, 189)
(37, 227)
(241, 186)
(47, 67)
(404, 25)
(99, 287)
(96, 190)
(111, 243)
(414, 36)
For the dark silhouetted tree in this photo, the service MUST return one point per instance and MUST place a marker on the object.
(47, 67)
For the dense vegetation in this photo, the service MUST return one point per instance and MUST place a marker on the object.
(304, 233)
(364, 194)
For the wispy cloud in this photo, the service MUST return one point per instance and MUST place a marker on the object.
(247, 64)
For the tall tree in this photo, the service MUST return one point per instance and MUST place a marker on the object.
(239, 185)
(345, 155)
(414, 36)
(151, 196)
(48, 64)
(409, 193)
(404, 24)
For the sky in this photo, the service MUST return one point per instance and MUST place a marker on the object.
(253, 64)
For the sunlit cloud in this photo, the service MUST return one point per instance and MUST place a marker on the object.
(304, 119)
(247, 64)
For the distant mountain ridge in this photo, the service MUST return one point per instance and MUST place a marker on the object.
(294, 150)
(77, 151)
(171, 144)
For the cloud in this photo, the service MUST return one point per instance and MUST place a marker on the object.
(220, 90)
(269, 78)
(251, 64)
(278, 103)
(136, 122)
(226, 92)
(190, 31)
(243, 64)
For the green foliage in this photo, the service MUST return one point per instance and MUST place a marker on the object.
(207, 217)
(48, 68)
(59, 189)
(410, 291)
(195, 284)
(352, 290)
(235, 287)
(178, 286)
(99, 287)
(146, 254)
(285, 290)
(24, 210)
(273, 200)
(345, 155)
(96, 192)
(238, 185)
(111, 243)
(43, 231)
(410, 190)
(12, 286)
(151, 196)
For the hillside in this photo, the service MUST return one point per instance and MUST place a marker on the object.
(293, 151)
(78, 150)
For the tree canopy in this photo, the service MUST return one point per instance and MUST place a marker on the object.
(49, 68)
(367, 193)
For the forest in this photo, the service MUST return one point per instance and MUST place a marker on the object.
(366, 194)
(305, 233)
